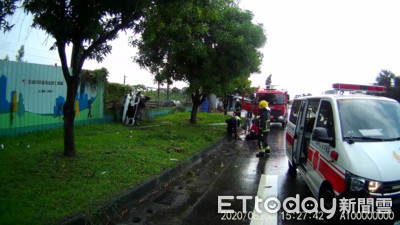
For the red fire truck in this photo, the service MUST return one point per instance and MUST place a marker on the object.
(277, 101)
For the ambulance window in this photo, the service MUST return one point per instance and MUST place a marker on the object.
(369, 119)
(294, 113)
(325, 118)
(311, 114)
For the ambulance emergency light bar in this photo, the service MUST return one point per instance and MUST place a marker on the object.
(356, 87)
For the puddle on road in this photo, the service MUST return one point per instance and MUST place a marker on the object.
(167, 198)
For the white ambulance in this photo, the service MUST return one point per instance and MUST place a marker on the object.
(346, 144)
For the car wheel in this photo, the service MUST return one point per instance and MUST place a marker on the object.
(327, 194)
(292, 169)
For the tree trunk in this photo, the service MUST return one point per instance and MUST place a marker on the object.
(197, 100)
(158, 92)
(225, 103)
(69, 120)
(77, 60)
(193, 114)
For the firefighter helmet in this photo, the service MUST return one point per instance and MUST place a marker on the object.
(263, 104)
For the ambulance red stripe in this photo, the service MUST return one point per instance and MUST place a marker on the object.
(330, 164)
(335, 179)
(310, 154)
(290, 138)
(326, 170)
(315, 160)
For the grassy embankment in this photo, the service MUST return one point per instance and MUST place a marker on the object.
(38, 185)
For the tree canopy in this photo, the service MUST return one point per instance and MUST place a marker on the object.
(88, 26)
(20, 54)
(384, 78)
(7, 8)
(392, 83)
(207, 44)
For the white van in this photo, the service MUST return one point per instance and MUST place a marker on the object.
(346, 145)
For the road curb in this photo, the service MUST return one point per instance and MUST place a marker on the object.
(147, 187)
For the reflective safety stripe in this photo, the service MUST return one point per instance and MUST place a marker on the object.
(326, 170)
(289, 138)
(334, 176)
(262, 149)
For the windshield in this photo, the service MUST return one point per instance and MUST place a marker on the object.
(369, 119)
(272, 99)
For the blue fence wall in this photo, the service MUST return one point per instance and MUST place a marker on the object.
(32, 98)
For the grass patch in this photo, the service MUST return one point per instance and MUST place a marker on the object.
(38, 185)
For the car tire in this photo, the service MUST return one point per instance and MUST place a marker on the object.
(326, 192)
(292, 169)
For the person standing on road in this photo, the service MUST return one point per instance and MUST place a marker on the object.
(238, 107)
(248, 123)
(233, 127)
(264, 125)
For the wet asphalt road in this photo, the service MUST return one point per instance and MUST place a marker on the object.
(232, 170)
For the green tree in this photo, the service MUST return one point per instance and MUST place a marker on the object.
(205, 43)
(238, 85)
(93, 78)
(6, 58)
(7, 8)
(175, 93)
(396, 89)
(20, 54)
(139, 87)
(114, 94)
(397, 82)
(385, 78)
(87, 26)
(391, 82)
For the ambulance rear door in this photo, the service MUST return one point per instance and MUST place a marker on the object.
(294, 130)
(299, 131)
(303, 130)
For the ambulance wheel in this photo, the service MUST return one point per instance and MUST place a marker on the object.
(326, 192)
(292, 169)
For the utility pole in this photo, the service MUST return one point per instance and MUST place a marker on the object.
(158, 91)
(124, 78)
(167, 91)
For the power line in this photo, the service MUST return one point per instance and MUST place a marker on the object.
(28, 46)
(43, 57)
(33, 55)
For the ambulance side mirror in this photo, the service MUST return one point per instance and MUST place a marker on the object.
(321, 134)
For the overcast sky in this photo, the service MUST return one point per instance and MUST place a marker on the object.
(310, 44)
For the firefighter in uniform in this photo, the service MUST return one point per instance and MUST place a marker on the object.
(238, 107)
(233, 127)
(263, 129)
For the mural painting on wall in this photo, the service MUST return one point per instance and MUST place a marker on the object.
(36, 96)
